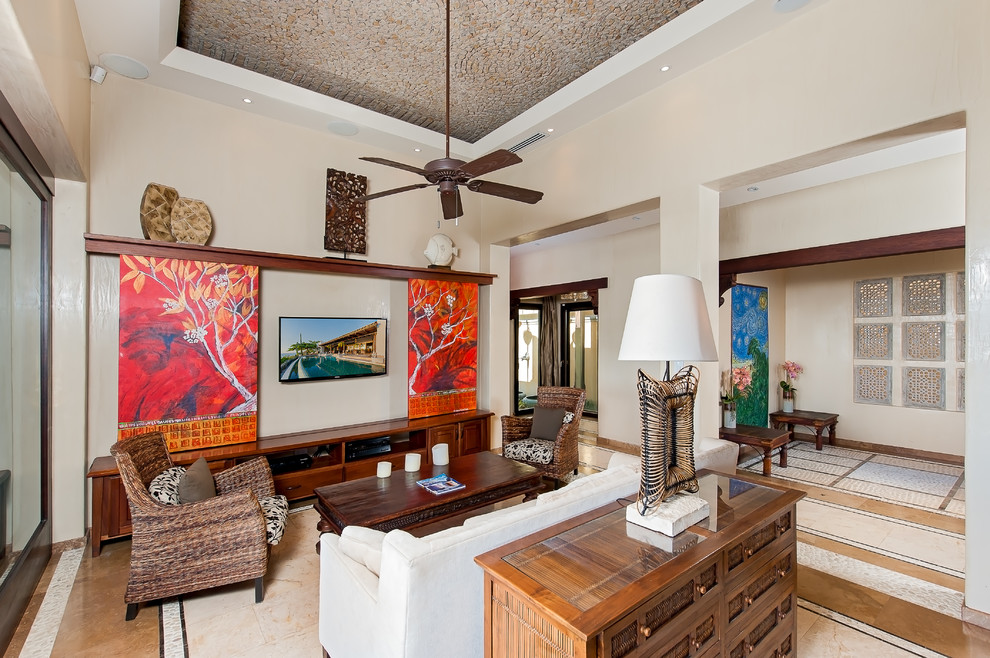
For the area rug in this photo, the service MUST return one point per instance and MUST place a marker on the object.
(905, 481)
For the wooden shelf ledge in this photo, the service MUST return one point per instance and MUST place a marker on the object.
(114, 245)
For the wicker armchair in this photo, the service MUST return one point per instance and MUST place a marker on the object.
(565, 448)
(176, 549)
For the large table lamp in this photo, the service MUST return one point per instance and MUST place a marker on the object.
(667, 321)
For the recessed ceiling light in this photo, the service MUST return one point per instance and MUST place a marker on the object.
(247, 100)
(345, 128)
(417, 149)
(549, 130)
(124, 65)
(664, 69)
(784, 6)
(752, 188)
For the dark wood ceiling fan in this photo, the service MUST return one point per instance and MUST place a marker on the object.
(448, 174)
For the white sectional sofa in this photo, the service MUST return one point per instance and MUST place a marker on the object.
(393, 595)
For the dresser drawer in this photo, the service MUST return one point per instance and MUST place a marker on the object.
(767, 539)
(759, 584)
(685, 611)
(769, 632)
(300, 484)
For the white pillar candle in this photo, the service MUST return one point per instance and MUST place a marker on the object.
(412, 461)
(384, 469)
(441, 455)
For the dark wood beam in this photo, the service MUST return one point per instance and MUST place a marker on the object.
(559, 288)
(895, 245)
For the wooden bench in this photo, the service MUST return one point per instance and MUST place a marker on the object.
(766, 439)
(817, 420)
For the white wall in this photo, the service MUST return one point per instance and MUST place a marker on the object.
(264, 183)
(620, 258)
(812, 314)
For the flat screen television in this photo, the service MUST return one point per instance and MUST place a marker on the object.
(331, 348)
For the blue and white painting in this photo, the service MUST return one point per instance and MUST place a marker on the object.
(750, 332)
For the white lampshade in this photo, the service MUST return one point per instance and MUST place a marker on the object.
(667, 321)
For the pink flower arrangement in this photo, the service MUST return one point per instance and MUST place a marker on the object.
(735, 383)
(790, 371)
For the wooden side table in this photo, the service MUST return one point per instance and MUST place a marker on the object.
(766, 439)
(817, 420)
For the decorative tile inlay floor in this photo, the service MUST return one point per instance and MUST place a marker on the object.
(905, 481)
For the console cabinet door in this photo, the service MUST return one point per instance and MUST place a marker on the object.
(443, 434)
(473, 437)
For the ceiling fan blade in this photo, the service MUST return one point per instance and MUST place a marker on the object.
(397, 165)
(376, 195)
(505, 191)
(491, 162)
(450, 201)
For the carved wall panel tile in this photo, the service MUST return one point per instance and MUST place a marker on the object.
(960, 340)
(960, 293)
(924, 387)
(961, 389)
(874, 298)
(874, 341)
(924, 294)
(347, 223)
(923, 341)
(873, 384)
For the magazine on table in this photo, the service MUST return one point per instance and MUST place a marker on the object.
(440, 484)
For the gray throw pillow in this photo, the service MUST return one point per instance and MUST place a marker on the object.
(197, 483)
(546, 423)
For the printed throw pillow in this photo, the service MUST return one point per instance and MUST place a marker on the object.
(165, 487)
(197, 483)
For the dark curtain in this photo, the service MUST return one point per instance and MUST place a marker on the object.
(549, 343)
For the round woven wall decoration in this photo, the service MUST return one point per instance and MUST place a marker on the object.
(191, 221)
(156, 212)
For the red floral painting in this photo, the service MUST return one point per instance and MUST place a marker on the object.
(443, 347)
(188, 362)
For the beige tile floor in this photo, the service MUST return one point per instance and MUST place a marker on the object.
(836, 616)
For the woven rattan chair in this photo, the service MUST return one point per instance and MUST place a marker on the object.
(565, 449)
(176, 549)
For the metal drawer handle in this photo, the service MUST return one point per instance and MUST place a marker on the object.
(645, 630)
(749, 552)
(702, 589)
(748, 600)
(781, 614)
(295, 486)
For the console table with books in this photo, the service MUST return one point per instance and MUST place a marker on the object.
(303, 461)
(597, 586)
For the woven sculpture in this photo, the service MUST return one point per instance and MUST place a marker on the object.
(666, 408)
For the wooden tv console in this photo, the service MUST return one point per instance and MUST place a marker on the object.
(466, 433)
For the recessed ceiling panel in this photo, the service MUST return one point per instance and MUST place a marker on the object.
(388, 57)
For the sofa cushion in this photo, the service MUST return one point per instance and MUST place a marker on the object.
(165, 486)
(363, 545)
(546, 423)
(197, 483)
(276, 511)
(535, 451)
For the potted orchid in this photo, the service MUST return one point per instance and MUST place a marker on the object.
(734, 385)
(789, 372)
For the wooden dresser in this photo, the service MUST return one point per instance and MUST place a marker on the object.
(599, 586)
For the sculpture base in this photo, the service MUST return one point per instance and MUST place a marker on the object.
(671, 517)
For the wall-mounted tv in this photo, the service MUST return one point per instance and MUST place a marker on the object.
(331, 348)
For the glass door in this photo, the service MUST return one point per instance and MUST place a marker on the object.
(527, 349)
(579, 365)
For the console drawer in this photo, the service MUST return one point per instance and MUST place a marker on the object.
(300, 484)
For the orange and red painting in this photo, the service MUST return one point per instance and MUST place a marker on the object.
(443, 347)
(188, 361)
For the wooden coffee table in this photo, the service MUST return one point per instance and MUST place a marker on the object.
(817, 420)
(398, 502)
(760, 437)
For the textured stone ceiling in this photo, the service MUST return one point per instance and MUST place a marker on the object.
(388, 55)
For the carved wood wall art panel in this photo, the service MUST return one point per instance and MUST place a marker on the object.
(347, 221)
